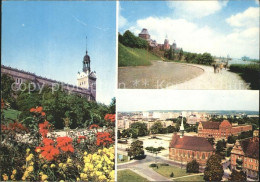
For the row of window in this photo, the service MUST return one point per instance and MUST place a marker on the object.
(183, 154)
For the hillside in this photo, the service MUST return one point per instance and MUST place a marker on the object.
(134, 57)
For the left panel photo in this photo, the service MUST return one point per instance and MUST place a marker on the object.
(58, 83)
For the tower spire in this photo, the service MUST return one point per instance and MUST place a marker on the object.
(182, 127)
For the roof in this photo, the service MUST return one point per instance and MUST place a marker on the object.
(210, 125)
(191, 143)
(225, 123)
(144, 31)
(251, 147)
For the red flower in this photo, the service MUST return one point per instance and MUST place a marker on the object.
(65, 144)
(93, 126)
(32, 110)
(103, 138)
(39, 109)
(81, 138)
(44, 128)
(110, 117)
(43, 114)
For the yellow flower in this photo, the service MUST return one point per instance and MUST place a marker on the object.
(14, 171)
(12, 177)
(69, 160)
(5, 177)
(38, 150)
(44, 177)
(23, 178)
(25, 174)
(78, 166)
(85, 153)
(64, 166)
(53, 166)
(61, 180)
(45, 166)
(60, 164)
(78, 179)
(30, 168)
(27, 150)
(31, 163)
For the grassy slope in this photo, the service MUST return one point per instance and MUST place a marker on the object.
(134, 57)
(128, 175)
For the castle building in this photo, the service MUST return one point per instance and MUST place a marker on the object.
(166, 45)
(187, 148)
(86, 82)
(144, 34)
(247, 150)
(220, 130)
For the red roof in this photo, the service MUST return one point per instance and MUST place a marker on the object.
(191, 143)
(251, 147)
(211, 125)
(225, 123)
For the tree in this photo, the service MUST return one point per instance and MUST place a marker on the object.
(119, 135)
(237, 176)
(140, 127)
(156, 127)
(130, 40)
(172, 175)
(231, 139)
(154, 150)
(170, 129)
(192, 167)
(136, 149)
(6, 89)
(126, 133)
(180, 54)
(229, 151)
(221, 147)
(211, 141)
(214, 169)
(112, 106)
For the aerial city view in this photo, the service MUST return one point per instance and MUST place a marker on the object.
(188, 45)
(57, 112)
(216, 142)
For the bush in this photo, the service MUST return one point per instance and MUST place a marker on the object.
(130, 40)
(153, 165)
(192, 167)
(249, 72)
(164, 164)
(171, 175)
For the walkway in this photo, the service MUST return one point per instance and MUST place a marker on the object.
(224, 80)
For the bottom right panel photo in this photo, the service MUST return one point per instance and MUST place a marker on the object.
(187, 135)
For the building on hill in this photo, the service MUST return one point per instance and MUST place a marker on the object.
(86, 86)
(220, 130)
(166, 45)
(187, 148)
(247, 150)
(144, 34)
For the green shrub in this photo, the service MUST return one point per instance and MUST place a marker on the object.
(249, 72)
(153, 165)
(164, 164)
(172, 174)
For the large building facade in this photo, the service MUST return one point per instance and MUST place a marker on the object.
(247, 150)
(220, 130)
(187, 148)
(87, 90)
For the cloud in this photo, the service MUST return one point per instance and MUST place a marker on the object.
(195, 9)
(200, 39)
(122, 21)
(248, 18)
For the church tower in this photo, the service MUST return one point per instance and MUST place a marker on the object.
(87, 78)
(182, 128)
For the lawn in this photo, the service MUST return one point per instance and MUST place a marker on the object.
(125, 159)
(11, 114)
(134, 57)
(167, 170)
(128, 175)
(192, 178)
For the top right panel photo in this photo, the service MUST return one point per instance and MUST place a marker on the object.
(188, 45)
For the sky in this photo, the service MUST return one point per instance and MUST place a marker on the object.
(143, 100)
(218, 27)
(49, 39)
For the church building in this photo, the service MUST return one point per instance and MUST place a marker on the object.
(187, 148)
